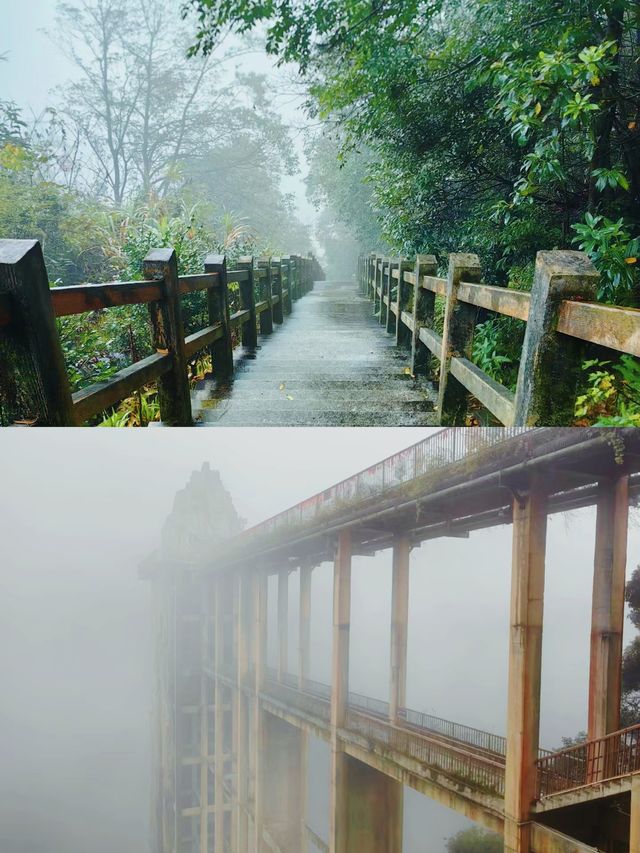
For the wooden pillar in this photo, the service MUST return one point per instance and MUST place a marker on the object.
(399, 622)
(338, 815)
(276, 274)
(394, 266)
(385, 287)
(219, 720)
(249, 333)
(525, 657)
(607, 616)
(283, 623)
(424, 305)
(285, 271)
(24, 280)
(260, 657)
(634, 827)
(378, 266)
(403, 333)
(550, 364)
(174, 394)
(218, 306)
(457, 338)
(266, 317)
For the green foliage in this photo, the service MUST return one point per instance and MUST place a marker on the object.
(497, 345)
(475, 840)
(610, 395)
(614, 253)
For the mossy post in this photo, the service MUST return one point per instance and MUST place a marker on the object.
(403, 333)
(276, 285)
(294, 283)
(394, 264)
(377, 282)
(218, 306)
(285, 273)
(550, 364)
(266, 316)
(424, 307)
(384, 289)
(457, 339)
(167, 334)
(249, 334)
(24, 280)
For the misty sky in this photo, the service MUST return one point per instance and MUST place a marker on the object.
(35, 66)
(80, 508)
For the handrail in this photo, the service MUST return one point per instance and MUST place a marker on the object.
(29, 307)
(566, 317)
(593, 761)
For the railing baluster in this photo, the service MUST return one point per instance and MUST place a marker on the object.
(218, 307)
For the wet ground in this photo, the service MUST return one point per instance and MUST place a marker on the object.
(330, 364)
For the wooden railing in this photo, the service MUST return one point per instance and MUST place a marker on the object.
(559, 313)
(31, 356)
(611, 757)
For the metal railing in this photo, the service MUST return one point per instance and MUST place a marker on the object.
(456, 731)
(610, 757)
(438, 451)
(482, 772)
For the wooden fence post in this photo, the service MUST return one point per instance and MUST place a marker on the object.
(24, 280)
(403, 333)
(424, 306)
(276, 277)
(457, 338)
(167, 332)
(550, 364)
(266, 317)
(285, 272)
(377, 262)
(218, 305)
(391, 320)
(384, 288)
(249, 334)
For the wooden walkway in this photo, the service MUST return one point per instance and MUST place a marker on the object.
(330, 364)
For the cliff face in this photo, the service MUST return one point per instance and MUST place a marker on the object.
(202, 517)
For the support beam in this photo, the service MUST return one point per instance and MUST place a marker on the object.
(525, 659)
(219, 722)
(259, 658)
(399, 622)
(634, 828)
(304, 625)
(241, 721)
(374, 808)
(607, 616)
(283, 623)
(205, 689)
(338, 815)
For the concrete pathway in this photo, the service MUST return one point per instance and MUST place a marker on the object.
(330, 364)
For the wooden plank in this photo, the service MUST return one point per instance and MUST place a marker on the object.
(101, 395)
(204, 338)
(237, 275)
(238, 318)
(493, 396)
(410, 277)
(201, 281)
(434, 284)
(431, 340)
(615, 328)
(78, 299)
(5, 310)
(395, 274)
(262, 306)
(511, 303)
(407, 319)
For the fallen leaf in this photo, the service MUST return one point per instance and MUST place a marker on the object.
(407, 371)
(632, 125)
(631, 260)
(282, 386)
(289, 397)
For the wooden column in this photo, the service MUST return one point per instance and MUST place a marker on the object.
(399, 622)
(249, 333)
(550, 364)
(24, 280)
(276, 274)
(403, 333)
(218, 306)
(219, 720)
(385, 284)
(266, 317)
(424, 304)
(525, 657)
(285, 271)
(607, 617)
(338, 814)
(457, 338)
(394, 265)
(634, 824)
(283, 623)
(174, 394)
